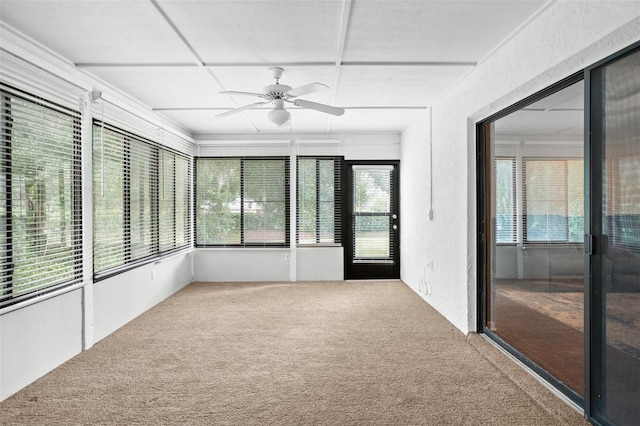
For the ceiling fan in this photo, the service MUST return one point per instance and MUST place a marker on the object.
(277, 94)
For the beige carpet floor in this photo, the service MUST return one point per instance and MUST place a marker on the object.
(326, 353)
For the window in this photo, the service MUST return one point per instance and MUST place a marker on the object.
(174, 193)
(319, 206)
(40, 187)
(505, 187)
(554, 200)
(242, 201)
(140, 199)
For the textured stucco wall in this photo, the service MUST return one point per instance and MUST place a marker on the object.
(439, 256)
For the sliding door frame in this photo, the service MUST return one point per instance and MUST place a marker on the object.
(484, 231)
(594, 176)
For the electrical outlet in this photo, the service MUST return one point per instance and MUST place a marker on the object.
(287, 256)
(153, 274)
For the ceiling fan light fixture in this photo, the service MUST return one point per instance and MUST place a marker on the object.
(278, 94)
(278, 115)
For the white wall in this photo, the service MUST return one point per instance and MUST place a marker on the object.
(38, 338)
(417, 244)
(319, 263)
(285, 264)
(119, 299)
(564, 38)
(241, 264)
(40, 334)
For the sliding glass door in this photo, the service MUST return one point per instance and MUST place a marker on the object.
(615, 206)
(559, 235)
(534, 232)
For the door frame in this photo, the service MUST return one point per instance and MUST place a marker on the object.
(370, 271)
(593, 297)
(484, 156)
(595, 324)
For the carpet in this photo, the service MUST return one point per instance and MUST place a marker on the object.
(305, 353)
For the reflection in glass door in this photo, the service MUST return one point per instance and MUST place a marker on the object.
(615, 110)
(534, 251)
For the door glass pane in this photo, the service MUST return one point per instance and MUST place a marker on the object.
(371, 237)
(535, 252)
(618, 397)
(372, 229)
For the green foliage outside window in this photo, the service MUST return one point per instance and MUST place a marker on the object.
(42, 175)
(241, 201)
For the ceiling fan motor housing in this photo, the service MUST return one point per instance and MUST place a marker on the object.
(276, 91)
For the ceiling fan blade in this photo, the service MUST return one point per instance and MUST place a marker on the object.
(243, 108)
(307, 88)
(319, 107)
(233, 92)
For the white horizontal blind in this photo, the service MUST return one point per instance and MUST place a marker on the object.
(622, 214)
(554, 200)
(40, 188)
(242, 201)
(109, 245)
(167, 200)
(183, 175)
(175, 178)
(20, 74)
(319, 200)
(218, 201)
(505, 221)
(265, 189)
(142, 196)
(143, 127)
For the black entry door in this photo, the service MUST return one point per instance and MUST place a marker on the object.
(372, 220)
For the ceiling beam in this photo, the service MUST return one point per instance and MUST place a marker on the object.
(383, 107)
(199, 62)
(177, 32)
(342, 37)
(280, 64)
(344, 26)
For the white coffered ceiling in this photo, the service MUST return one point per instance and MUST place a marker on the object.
(384, 61)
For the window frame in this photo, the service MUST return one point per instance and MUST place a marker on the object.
(243, 243)
(337, 200)
(8, 294)
(155, 174)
